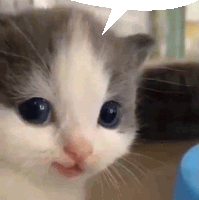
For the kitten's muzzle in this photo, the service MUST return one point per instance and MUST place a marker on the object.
(75, 158)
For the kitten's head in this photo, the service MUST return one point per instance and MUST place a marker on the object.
(67, 92)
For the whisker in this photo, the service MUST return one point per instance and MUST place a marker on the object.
(169, 68)
(139, 163)
(173, 69)
(115, 181)
(160, 91)
(138, 154)
(103, 174)
(125, 168)
(111, 180)
(147, 96)
(28, 40)
(117, 172)
(134, 165)
(102, 186)
(133, 180)
(163, 81)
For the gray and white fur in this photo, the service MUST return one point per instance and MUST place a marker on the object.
(60, 55)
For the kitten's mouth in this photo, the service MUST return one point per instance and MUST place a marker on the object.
(68, 172)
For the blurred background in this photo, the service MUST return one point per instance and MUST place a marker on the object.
(176, 31)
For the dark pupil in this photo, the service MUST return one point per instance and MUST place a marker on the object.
(109, 117)
(35, 110)
(108, 113)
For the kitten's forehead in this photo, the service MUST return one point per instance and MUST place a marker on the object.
(72, 44)
(80, 76)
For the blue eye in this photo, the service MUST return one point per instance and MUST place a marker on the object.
(35, 110)
(109, 115)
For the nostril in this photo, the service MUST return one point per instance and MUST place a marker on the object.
(71, 152)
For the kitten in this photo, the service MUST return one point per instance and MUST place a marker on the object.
(67, 99)
(167, 100)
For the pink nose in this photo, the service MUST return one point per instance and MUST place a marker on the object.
(78, 150)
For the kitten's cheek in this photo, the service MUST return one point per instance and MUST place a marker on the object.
(47, 160)
(91, 163)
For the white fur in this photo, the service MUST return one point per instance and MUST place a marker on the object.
(81, 89)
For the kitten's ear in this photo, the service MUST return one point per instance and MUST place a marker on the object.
(138, 47)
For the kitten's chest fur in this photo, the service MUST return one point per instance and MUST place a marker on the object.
(16, 186)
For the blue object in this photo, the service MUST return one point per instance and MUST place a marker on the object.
(187, 183)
